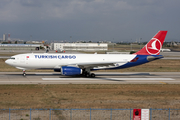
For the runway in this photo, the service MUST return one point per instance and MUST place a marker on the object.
(101, 78)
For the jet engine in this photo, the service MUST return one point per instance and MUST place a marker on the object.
(57, 69)
(69, 70)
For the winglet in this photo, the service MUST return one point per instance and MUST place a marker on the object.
(154, 46)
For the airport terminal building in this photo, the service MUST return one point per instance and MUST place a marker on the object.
(80, 46)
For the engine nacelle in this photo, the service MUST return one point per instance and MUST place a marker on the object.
(68, 70)
(57, 69)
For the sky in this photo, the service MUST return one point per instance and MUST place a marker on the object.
(89, 20)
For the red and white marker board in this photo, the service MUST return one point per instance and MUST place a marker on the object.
(144, 114)
(140, 114)
(136, 114)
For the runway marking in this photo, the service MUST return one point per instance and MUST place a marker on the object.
(95, 79)
(45, 73)
(163, 82)
(70, 81)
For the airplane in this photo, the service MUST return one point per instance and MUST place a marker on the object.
(165, 50)
(83, 64)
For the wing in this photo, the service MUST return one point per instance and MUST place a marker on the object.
(97, 64)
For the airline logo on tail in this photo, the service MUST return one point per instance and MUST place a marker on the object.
(154, 46)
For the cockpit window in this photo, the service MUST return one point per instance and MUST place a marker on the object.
(12, 58)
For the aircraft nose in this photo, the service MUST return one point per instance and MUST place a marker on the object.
(7, 62)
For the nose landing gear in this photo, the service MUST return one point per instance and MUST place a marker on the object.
(24, 73)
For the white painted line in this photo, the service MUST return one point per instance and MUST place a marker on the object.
(44, 73)
(95, 79)
(78, 81)
(71, 79)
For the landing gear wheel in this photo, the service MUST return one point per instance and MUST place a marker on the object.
(24, 74)
(87, 75)
(93, 75)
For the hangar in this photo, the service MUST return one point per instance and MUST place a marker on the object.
(80, 46)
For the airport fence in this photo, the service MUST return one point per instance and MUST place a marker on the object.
(84, 114)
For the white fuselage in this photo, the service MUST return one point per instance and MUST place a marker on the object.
(51, 61)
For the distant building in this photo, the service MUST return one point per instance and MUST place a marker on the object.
(80, 46)
(34, 42)
(19, 47)
(4, 37)
(8, 38)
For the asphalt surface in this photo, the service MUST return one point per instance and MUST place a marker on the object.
(101, 78)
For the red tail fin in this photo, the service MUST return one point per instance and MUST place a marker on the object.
(154, 45)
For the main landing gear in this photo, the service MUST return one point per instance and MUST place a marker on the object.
(24, 73)
(88, 74)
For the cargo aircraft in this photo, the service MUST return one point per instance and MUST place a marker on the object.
(83, 64)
